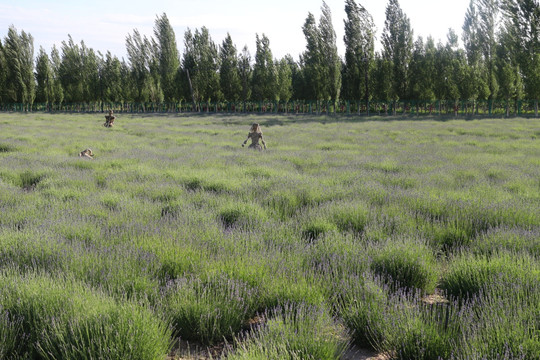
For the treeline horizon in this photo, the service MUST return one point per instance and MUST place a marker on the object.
(499, 60)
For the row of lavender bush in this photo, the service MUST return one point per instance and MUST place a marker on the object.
(336, 236)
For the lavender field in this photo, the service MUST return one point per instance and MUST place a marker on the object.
(415, 239)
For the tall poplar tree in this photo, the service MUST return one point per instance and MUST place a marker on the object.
(470, 35)
(295, 77)
(71, 71)
(264, 78)
(397, 39)
(167, 56)
(19, 56)
(201, 60)
(359, 51)
(311, 61)
(488, 11)
(229, 77)
(79, 72)
(3, 74)
(155, 90)
(245, 73)
(477, 78)
(44, 78)
(111, 79)
(139, 56)
(91, 65)
(422, 70)
(508, 71)
(382, 74)
(331, 62)
(57, 95)
(524, 28)
(284, 79)
(127, 86)
(320, 62)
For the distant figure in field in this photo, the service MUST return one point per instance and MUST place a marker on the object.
(87, 154)
(255, 134)
(109, 119)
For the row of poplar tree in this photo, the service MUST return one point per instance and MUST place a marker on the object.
(500, 59)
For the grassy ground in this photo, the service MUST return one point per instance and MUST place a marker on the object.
(333, 237)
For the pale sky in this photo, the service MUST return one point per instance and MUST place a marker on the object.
(104, 25)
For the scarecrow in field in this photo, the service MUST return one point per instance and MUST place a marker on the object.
(255, 134)
(109, 119)
(87, 154)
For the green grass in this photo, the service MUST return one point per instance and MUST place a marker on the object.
(333, 235)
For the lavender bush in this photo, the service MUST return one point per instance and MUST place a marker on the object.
(173, 228)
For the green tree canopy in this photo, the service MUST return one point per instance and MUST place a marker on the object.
(523, 28)
(19, 63)
(284, 79)
(167, 56)
(331, 64)
(245, 73)
(359, 41)
(264, 80)
(397, 39)
(78, 72)
(229, 75)
(111, 87)
(139, 52)
(44, 77)
(202, 62)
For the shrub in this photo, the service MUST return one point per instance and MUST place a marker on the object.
(501, 322)
(172, 208)
(334, 257)
(12, 336)
(28, 179)
(411, 265)
(208, 311)
(63, 320)
(177, 261)
(468, 274)
(351, 218)
(209, 183)
(111, 201)
(509, 239)
(4, 148)
(316, 228)
(29, 250)
(165, 193)
(193, 183)
(288, 202)
(361, 303)
(120, 332)
(450, 235)
(241, 214)
(293, 287)
(293, 332)
(416, 330)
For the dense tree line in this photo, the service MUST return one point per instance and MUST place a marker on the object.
(500, 59)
